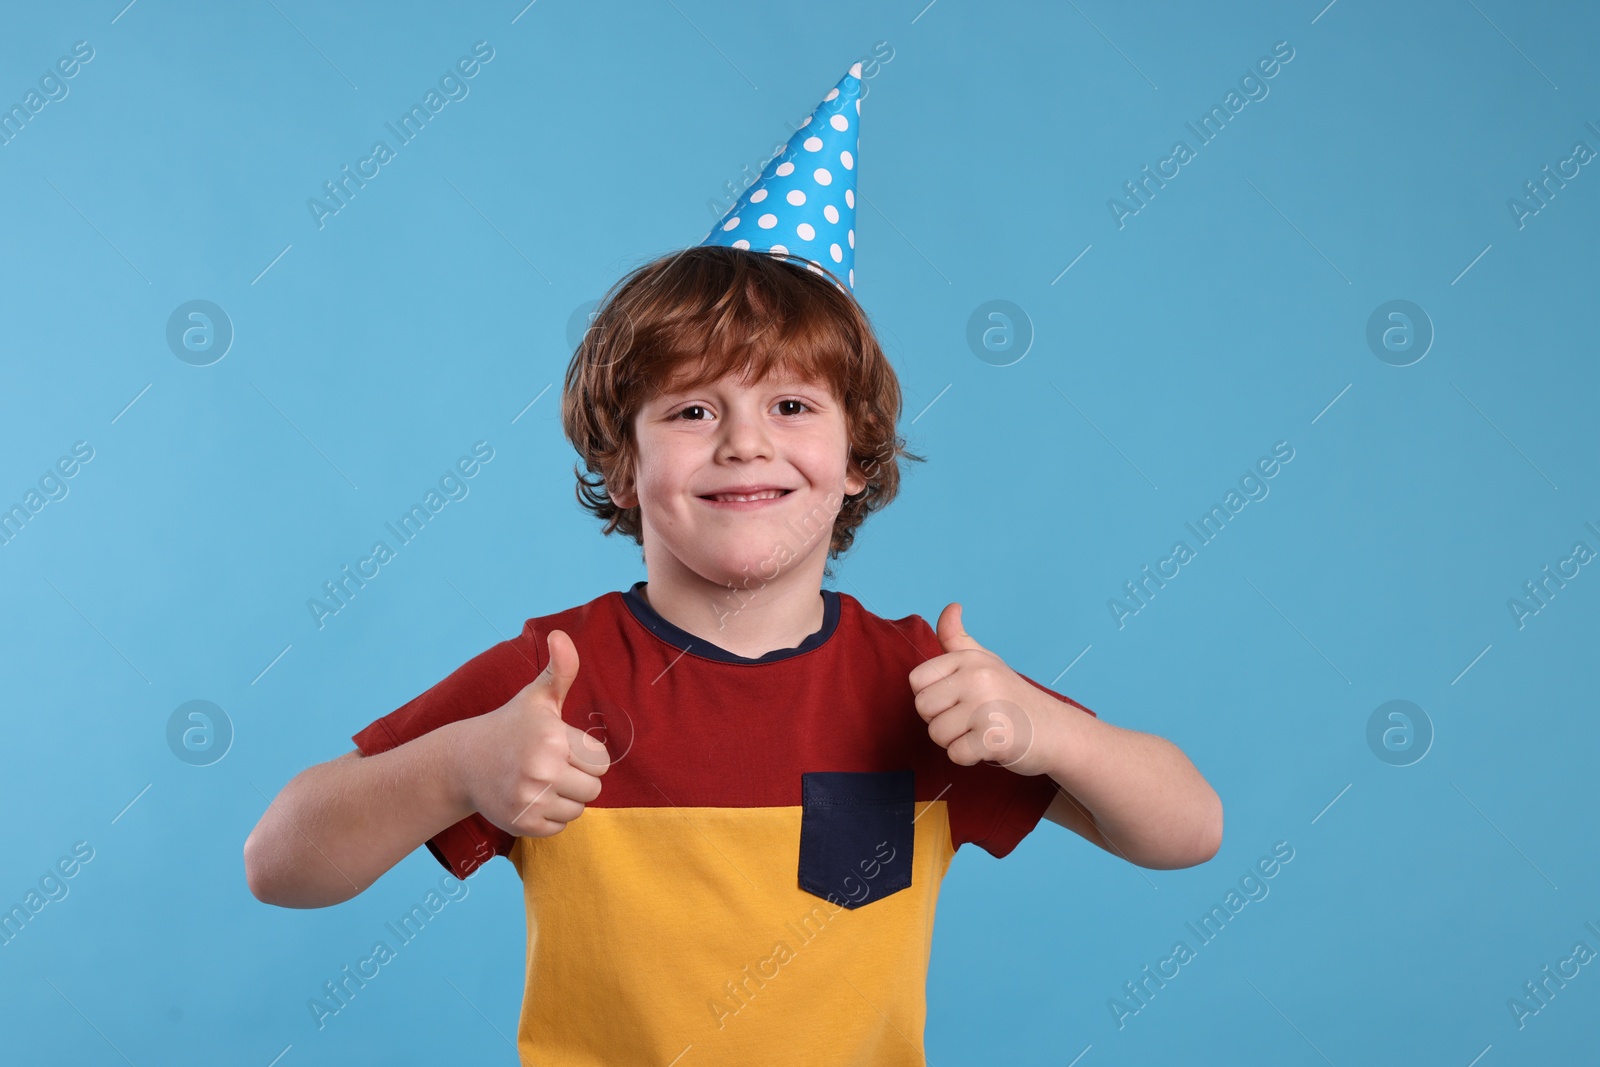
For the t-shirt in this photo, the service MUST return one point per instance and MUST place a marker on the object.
(756, 881)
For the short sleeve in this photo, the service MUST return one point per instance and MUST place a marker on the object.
(487, 681)
(996, 808)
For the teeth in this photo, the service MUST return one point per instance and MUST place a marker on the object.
(768, 495)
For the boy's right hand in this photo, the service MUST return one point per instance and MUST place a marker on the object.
(521, 766)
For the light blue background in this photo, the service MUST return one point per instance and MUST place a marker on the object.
(1227, 315)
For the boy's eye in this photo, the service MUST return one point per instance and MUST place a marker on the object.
(684, 413)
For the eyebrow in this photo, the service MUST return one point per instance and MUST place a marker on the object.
(782, 385)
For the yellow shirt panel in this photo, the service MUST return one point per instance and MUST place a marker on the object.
(680, 936)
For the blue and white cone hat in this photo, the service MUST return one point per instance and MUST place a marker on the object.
(804, 204)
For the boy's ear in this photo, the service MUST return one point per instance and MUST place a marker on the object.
(854, 482)
(621, 490)
(856, 476)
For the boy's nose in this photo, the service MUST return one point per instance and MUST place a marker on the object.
(743, 436)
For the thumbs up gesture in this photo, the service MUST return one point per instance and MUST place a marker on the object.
(977, 708)
(523, 768)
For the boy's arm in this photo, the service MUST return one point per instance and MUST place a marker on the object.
(1134, 794)
(338, 826)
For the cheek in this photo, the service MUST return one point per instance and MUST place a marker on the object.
(661, 478)
(644, 486)
(836, 462)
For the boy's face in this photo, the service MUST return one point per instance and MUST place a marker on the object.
(692, 444)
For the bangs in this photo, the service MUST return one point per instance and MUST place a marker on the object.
(749, 330)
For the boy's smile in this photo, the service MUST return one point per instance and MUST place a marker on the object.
(744, 497)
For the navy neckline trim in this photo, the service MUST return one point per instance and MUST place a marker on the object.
(699, 646)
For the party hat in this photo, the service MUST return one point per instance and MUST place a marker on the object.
(804, 204)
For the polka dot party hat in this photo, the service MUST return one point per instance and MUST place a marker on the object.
(804, 204)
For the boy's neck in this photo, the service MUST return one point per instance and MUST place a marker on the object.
(748, 620)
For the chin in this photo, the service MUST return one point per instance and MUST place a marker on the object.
(754, 566)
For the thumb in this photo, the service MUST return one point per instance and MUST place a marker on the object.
(952, 637)
(558, 674)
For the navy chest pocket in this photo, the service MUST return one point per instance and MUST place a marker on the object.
(856, 834)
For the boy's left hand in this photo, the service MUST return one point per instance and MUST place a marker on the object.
(977, 708)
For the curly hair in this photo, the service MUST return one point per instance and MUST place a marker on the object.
(690, 318)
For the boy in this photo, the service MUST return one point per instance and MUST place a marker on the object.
(730, 794)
